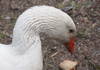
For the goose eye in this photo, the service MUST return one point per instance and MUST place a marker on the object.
(71, 31)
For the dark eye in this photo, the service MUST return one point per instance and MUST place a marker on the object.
(71, 31)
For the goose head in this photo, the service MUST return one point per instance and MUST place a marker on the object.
(44, 19)
(60, 26)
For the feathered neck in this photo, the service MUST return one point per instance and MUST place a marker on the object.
(26, 33)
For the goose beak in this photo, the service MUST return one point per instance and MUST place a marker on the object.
(71, 45)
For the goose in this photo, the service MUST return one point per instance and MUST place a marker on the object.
(24, 53)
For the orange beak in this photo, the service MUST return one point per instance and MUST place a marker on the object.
(71, 45)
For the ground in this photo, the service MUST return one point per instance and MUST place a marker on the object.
(86, 15)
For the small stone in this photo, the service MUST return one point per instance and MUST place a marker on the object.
(7, 18)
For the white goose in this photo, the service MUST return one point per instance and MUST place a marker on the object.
(24, 53)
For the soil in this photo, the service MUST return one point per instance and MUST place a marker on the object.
(86, 15)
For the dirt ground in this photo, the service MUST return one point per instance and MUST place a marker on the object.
(86, 15)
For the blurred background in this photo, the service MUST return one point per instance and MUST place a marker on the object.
(86, 15)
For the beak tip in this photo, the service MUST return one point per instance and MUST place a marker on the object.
(71, 50)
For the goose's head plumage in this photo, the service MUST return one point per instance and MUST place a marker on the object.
(26, 39)
(54, 22)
